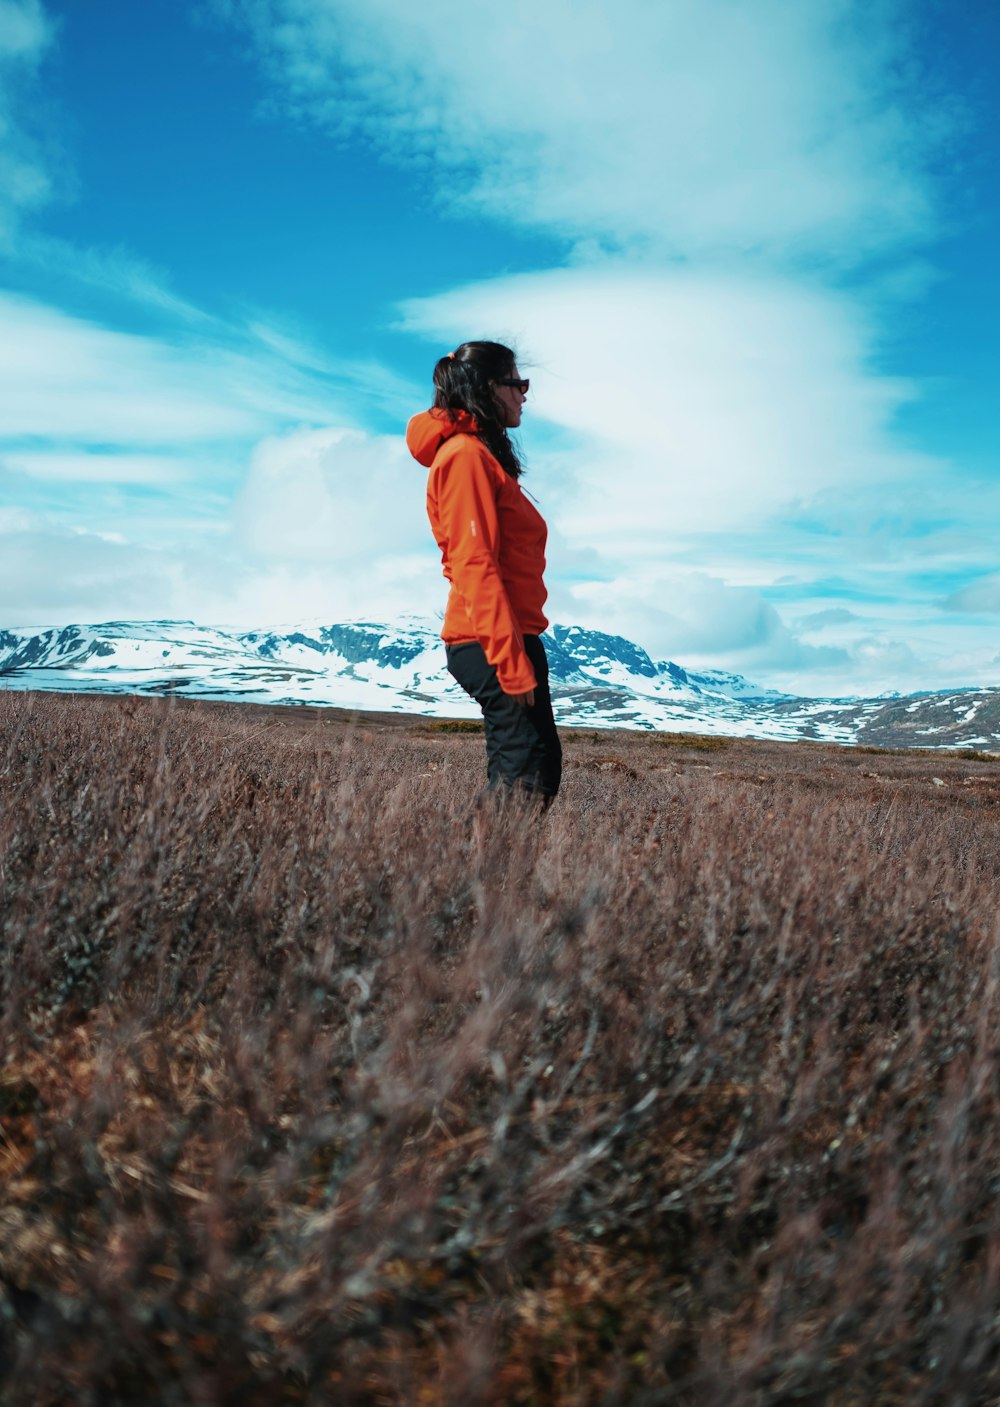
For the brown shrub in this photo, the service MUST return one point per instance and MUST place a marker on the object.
(317, 1087)
(697, 742)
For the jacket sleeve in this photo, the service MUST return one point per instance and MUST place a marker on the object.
(467, 510)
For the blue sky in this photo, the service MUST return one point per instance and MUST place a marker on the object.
(747, 253)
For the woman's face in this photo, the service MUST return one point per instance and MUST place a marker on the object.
(510, 399)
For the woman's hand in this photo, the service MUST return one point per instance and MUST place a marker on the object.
(525, 700)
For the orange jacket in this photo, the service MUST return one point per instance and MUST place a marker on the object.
(492, 542)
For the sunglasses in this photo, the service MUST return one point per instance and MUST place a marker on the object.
(521, 386)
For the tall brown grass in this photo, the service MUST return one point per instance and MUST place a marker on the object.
(320, 1088)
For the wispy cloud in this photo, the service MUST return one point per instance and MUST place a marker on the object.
(70, 381)
(93, 467)
(692, 127)
(25, 34)
(116, 272)
(837, 615)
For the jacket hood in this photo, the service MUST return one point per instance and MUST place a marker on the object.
(427, 432)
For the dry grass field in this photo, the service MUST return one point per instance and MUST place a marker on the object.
(317, 1090)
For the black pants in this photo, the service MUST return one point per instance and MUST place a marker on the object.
(522, 745)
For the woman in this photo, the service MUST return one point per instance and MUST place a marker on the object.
(492, 542)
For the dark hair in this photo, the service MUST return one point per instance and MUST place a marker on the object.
(462, 382)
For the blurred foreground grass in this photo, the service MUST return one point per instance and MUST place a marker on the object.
(315, 1091)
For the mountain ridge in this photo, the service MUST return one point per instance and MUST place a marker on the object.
(597, 679)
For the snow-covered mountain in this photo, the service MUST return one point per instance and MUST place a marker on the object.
(597, 680)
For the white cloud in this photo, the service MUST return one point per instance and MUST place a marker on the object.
(212, 581)
(64, 377)
(328, 523)
(697, 400)
(91, 468)
(886, 657)
(698, 620)
(980, 596)
(17, 520)
(335, 522)
(335, 496)
(819, 620)
(50, 577)
(692, 127)
(287, 593)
